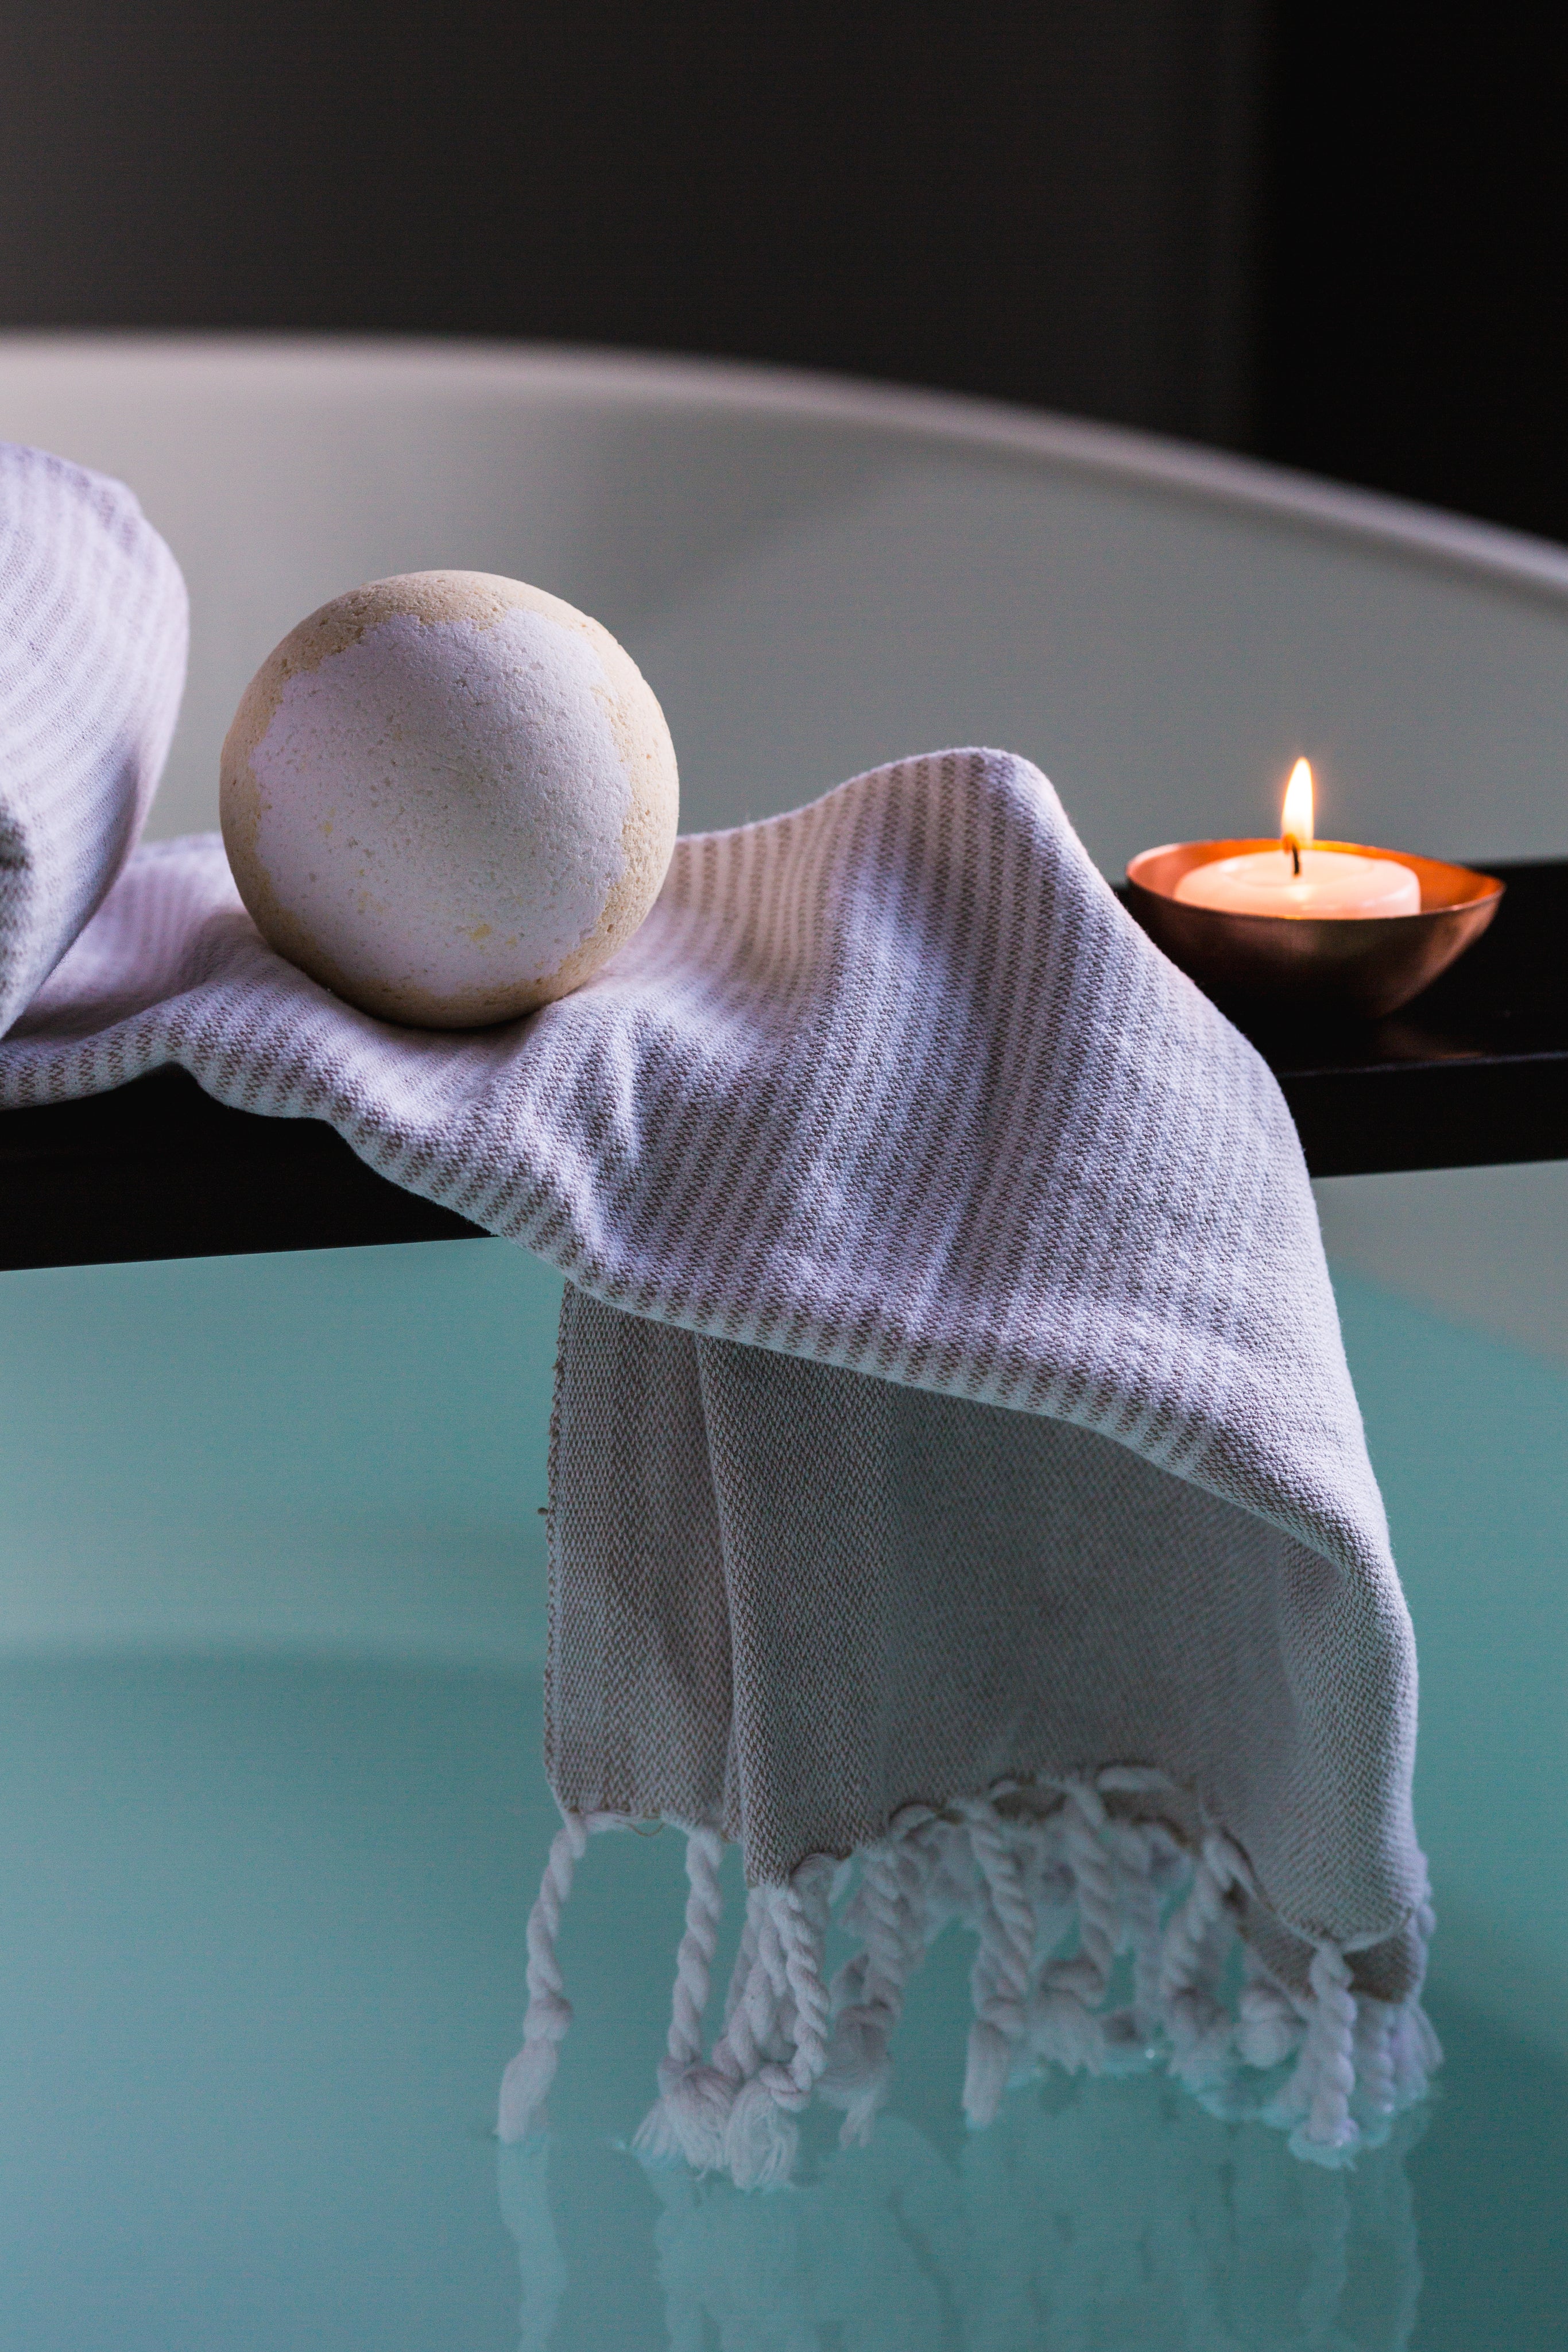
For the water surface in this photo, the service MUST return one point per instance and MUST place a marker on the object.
(263, 1962)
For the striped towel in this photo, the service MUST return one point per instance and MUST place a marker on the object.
(92, 663)
(954, 1465)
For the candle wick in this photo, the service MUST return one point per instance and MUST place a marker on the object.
(1294, 846)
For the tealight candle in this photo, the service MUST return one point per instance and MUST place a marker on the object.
(1200, 900)
(1296, 878)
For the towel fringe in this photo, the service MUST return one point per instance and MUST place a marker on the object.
(695, 2099)
(1054, 1899)
(527, 2079)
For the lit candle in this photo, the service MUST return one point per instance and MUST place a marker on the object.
(1296, 878)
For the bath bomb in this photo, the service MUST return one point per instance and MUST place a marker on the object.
(448, 797)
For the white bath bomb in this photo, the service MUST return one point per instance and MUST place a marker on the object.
(448, 797)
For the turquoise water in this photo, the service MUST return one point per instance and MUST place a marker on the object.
(262, 1966)
(271, 1576)
(1469, 1438)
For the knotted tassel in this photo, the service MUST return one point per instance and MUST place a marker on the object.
(750, 2007)
(1414, 2052)
(1196, 1941)
(1065, 2024)
(1325, 2072)
(1267, 2028)
(695, 2099)
(762, 2139)
(999, 1979)
(1376, 2092)
(527, 2079)
(1140, 1899)
(889, 1908)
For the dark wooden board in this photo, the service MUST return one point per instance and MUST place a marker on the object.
(1473, 1074)
(158, 1169)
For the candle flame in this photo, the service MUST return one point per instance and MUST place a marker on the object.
(1296, 816)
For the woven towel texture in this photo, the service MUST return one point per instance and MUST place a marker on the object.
(893, 1085)
(862, 1595)
(92, 664)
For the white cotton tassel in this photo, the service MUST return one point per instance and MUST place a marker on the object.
(750, 2027)
(761, 2137)
(1139, 1895)
(868, 1993)
(999, 1979)
(1065, 2024)
(1324, 2078)
(801, 1911)
(1413, 2053)
(527, 2079)
(749, 2009)
(694, 2098)
(769, 2007)
(1377, 2093)
(1196, 1940)
(761, 2141)
(745, 1961)
(1267, 2028)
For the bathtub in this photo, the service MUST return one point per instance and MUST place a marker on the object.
(271, 1564)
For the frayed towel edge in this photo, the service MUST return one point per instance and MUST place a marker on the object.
(1053, 1900)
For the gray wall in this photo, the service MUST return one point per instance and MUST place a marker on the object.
(1056, 204)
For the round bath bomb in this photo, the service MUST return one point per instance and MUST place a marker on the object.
(448, 797)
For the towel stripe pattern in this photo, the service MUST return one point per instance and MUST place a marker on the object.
(891, 1140)
(92, 664)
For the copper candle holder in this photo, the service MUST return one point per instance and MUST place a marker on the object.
(1366, 966)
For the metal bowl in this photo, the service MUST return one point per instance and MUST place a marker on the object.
(1364, 965)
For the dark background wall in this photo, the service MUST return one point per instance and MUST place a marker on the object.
(1273, 227)
(1414, 330)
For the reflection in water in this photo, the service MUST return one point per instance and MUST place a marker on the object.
(522, 2182)
(1091, 2215)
